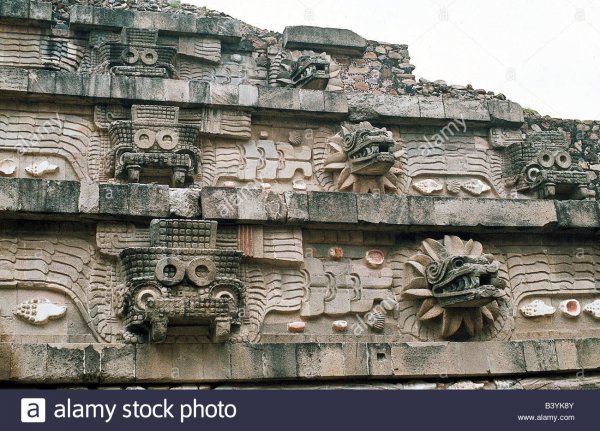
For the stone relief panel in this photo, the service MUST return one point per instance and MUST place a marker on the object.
(47, 144)
(36, 48)
(457, 283)
(543, 166)
(196, 281)
(453, 163)
(304, 69)
(151, 143)
(45, 271)
(180, 279)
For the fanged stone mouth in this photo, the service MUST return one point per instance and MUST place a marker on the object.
(463, 285)
(374, 150)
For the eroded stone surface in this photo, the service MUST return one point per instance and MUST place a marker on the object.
(214, 202)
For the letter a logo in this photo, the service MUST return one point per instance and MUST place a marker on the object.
(33, 410)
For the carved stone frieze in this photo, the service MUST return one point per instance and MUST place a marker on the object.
(180, 279)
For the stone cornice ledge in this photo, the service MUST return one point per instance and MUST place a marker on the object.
(106, 88)
(33, 196)
(403, 109)
(124, 363)
(254, 205)
(26, 10)
(94, 18)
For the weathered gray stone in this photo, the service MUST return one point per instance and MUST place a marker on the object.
(326, 207)
(117, 364)
(431, 107)
(540, 355)
(219, 203)
(467, 110)
(332, 40)
(577, 214)
(505, 112)
(297, 207)
(279, 98)
(366, 107)
(385, 209)
(48, 196)
(481, 212)
(134, 199)
(12, 79)
(184, 203)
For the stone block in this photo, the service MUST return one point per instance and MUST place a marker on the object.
(588, 352)
(188, 362)
(331, 40)
(356, 362)
(431, 107)
(184, 203)
(312, 100)
(427, 211)
(42, 82)
(28, 362)
(225, 29)
(13, 79)
(5, 360)
(566, 353)
(45, 196)
(40, 10)
(380, 360)
(9, 194)
(110, 18)
(395, 109)
(326, 207)
(246, 362)
(227, 95)
(149, 200)
(65, 363)
(297, 207)
(117, 364)
(96, 86)
(68, 84)
(467, 110)
(505, 112)
(335, 102)
(154, 363)
(279, 361)
(279, 98)
(14, 9)
(384, 209)
(540, 356)
(89, 198)
(216, 361)
(505, 357)
(199, 92)
(248, 95)
(577, 214)
(261, 205)
(425, 359)
(134, 199)
(219, 203)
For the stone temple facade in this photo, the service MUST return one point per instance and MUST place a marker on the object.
(188, 200)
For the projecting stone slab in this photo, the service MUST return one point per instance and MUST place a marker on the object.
(330, 40)
(16, 10)
(13, 79)
(431, 107)
(481, 212)
(505, 112)
(366, 107)
(330, 207)
(468, 110)
(225, 29)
